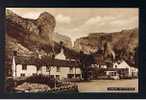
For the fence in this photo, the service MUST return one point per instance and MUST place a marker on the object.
(67, 88)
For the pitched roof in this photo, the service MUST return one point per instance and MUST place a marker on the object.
(46, 62)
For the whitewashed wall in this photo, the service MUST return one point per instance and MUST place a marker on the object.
(32, 69)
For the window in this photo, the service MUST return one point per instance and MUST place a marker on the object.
(115, 66)
(22, 75)
(24, 67)
(58, 69)
(115, 73)
(70, 76)
(52, 76)
(111, 73)
(34, 74)
(48, 69)
(37, 67)
(78, 76)
(57, 77)
(71, 69)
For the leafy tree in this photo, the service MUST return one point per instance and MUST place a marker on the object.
(86, 61)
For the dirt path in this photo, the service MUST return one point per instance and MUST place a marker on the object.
(102, 85)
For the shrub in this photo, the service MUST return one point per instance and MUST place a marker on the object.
(42, 79)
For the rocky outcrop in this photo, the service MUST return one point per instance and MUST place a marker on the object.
(38, 30)
(13, 45)
(31, 36)
(66, 40)
(46, 24)
(125, 39)
(120, 44)
(86, 44)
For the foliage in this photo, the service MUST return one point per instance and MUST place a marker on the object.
(42, 79)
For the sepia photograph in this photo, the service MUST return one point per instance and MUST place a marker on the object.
(81, 50)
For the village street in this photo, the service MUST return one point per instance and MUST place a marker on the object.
(102, 85)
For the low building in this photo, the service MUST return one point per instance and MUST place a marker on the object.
(120, 69)
(59, 72)
(134, 72)
(59, 67)
(124, 69)
(112, 74)
(104, 66)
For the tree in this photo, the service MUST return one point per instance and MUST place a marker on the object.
(86, 61)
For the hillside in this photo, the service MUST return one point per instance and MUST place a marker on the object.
(31, 36)
(66, 40)
(123, 44)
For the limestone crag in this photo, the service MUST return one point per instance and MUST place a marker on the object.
(36, 35)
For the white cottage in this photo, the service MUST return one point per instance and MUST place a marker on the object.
(121, 69)
(59, 67)
(61, 55)
(131, 71)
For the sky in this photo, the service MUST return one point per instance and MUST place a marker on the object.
(79, 22)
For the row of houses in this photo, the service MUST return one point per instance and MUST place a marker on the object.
(59, 67)
(62, 68)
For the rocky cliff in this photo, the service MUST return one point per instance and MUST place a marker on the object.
(28, 36)
(31, 36)
(122, 44)
(66, 40)
(125, 39)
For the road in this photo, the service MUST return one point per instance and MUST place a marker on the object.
(102, 85)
